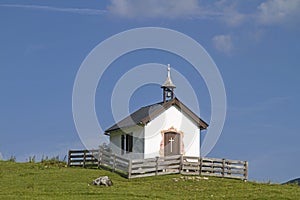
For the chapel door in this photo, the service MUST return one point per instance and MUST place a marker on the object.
(171, 144)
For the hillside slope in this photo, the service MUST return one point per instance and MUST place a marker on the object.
(294, 181)
(44, 181)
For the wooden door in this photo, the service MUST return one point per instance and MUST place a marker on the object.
(171, 144)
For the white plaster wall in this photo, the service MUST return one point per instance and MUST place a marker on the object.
(172, 117)
(115, 142)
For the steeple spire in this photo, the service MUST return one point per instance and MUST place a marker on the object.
(168, 87)
(168, 83)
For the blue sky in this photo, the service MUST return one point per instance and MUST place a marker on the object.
(255, 45)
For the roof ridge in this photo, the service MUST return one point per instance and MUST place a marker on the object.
(161, 102)
(144, 114)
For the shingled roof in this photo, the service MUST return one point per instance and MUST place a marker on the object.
(145, 114)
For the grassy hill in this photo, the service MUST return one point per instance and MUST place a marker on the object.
(54, 181)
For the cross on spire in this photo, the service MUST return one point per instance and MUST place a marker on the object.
(169, 72)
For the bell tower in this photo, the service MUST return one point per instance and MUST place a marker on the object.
(168, 87)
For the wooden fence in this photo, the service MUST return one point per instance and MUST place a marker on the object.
(83, 158)
(215, 167)
(155, 166)
(185, 165)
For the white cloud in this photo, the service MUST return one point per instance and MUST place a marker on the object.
(222, 10)
(229, 13)
(154, 8)
(274, 12)
(232, 17)
(278, 11)
(223, 43)
(83, 11)
(1, 156)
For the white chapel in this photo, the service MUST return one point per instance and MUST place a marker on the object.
(161, 129)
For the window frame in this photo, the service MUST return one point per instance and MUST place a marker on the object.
(126, 143)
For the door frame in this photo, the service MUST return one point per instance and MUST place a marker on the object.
(162, 143)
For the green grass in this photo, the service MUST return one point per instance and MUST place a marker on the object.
(52, 181)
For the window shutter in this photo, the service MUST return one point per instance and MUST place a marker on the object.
(129, 143)
(122, 144)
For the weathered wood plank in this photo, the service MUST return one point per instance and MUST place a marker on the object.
(190, 167)
(207, 169)
(234, 172)
(175, 157)
(143, 160)
(168, 172)
(122, 159)
(107, 160)
(189, 173)
(76, 156)
(212, 160)
(76, 165)
(212, 170)
(168, 167)
(108, 154)
(190, 158)
(235, 161)
(219, 170)
(191, 163)
(212, 164)
(77, 160)
(143, 170)
(122, 165)
(124, 169)
(148, 164)
(107, 163)
(152, 169)
(142, 175)
(170, 162)
(235, 166)
(90, 165)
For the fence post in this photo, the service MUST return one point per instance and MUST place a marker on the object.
(84, 157)
(99, 158)
(114, 162)
(200, 167)
(229, 168)
(246, 170)
(129, 168)
(181, 164)
(223, 167)
(69, 158)
(156, 165)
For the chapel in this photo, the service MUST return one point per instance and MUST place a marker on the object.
(162, 129)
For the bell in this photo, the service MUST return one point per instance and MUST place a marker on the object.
(169, 94)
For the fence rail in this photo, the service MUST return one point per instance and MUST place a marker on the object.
(155, 166)
(186, 165)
